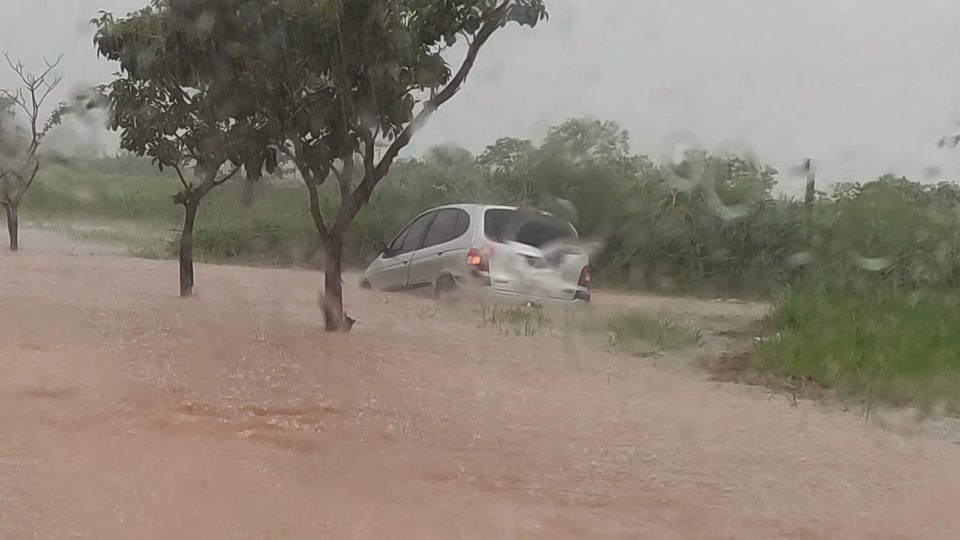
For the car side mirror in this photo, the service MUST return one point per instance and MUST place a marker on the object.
(381, 248)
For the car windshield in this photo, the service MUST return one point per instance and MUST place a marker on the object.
(527, 227)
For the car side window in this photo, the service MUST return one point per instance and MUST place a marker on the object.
(414, 234)
(398, 241)
(462, 225)
(450, 224)
(441, 228)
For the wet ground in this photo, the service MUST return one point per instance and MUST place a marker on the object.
(126, 412)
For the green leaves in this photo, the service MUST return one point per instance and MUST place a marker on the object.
(238, 81)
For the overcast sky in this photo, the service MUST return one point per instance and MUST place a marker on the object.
(861, 86)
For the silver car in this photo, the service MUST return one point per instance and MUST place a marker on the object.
(505, 252)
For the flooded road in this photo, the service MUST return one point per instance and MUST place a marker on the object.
(126, 412)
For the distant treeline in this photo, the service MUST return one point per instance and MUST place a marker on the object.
(708, 224)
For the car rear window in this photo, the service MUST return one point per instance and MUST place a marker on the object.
(526, 227)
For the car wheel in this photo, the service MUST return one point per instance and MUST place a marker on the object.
(364, 284)
(446, 288)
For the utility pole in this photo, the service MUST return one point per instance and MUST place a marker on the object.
(810, 196)
(811, 193)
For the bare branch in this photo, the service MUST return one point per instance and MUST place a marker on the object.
(50, 67)
(17, 67)
(49, 88)
(25, 183)
(17, 99)
(38, 88)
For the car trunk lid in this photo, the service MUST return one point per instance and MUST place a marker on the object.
(536, 254)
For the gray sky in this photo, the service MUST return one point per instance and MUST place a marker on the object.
(861, 86)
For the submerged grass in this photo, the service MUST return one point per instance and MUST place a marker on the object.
(517, 320)
(897, 347)
(636, 333)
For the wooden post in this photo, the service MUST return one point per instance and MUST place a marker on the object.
(811, 193)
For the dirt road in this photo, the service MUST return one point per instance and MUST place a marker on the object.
(128, 413)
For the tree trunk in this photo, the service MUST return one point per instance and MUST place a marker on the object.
(246, 198)
(13, 225)
(186, 250)
(332, 299)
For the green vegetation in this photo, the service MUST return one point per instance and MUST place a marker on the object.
(519, 320)
(872, 269)
(636, 333)
(139, 212)
(660, 233)
(892, 346)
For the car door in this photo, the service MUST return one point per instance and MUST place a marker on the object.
(391, 269)
(442, 249)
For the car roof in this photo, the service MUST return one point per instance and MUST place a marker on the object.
(465, 206)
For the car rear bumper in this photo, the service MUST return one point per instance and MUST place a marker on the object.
(480, 284)
(509, 297)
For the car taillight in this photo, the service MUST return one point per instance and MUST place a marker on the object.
(478, 260)
(586, 277)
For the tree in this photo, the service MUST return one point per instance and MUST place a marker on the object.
(19, 146)
(380, 56)
(328, 82)
(508, 165)
(171, 103)
(587, 161)
(339, 80)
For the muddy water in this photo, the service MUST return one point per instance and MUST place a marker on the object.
(128, 413)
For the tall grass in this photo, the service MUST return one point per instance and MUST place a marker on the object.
(892, 346)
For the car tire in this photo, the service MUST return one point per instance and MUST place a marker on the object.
(446, 288)
(364, 284)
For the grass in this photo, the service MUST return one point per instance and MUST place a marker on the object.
(520, 320)
(275, 230)
(139, 213)
(635, 333)
(894, 347)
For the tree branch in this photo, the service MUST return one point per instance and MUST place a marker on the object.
(361, 195)
(369, 140)
(308, 178)
(17, 99)
(6, 187)
(183, 181)
(31, 107)
(25, 184)
(230, 175)
(315, 212)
